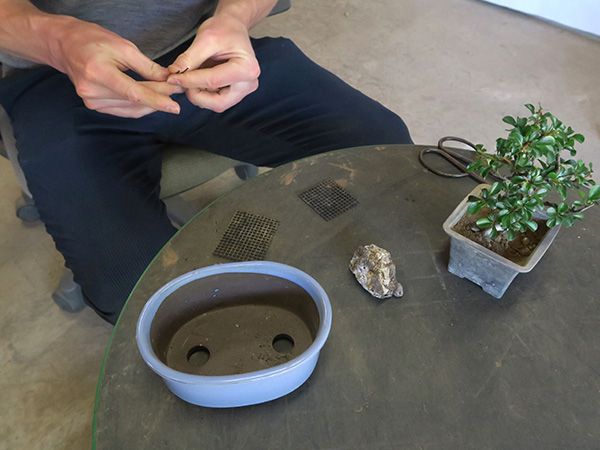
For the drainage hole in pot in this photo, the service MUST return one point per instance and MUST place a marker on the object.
(198, 355)
(283, 343)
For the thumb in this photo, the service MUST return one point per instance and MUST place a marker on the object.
(191, 59)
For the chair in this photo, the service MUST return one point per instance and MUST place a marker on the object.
(184, 168)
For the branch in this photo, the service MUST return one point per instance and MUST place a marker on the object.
(584, 208)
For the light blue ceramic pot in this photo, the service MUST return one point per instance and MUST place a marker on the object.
(225, 391)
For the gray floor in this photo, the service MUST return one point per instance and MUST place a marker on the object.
(447, 66)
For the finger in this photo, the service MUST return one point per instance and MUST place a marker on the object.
(134, 109)
(137, 92)
(224, 99)
(132, 112)
(98, 104)
(144, 66)
(101, 104)
(192, 58)
(231, 72)
(162, 87)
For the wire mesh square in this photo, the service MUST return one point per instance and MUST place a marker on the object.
(247, 238)
(328, 199)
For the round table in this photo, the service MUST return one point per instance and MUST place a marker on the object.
(446, 366)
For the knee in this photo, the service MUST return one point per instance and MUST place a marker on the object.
(370, 123)
(280, 53)
(392, 128)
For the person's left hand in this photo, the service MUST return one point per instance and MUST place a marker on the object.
(220, 68)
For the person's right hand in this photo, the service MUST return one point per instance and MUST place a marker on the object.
(95, 60)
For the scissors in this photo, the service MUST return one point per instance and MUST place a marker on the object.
(456, 159)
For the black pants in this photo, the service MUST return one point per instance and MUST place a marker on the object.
(96, 178)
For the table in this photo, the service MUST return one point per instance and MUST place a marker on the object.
(446, 366)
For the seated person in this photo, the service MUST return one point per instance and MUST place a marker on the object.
(103, 85)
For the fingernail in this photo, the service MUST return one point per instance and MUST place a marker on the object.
(174, 109)
(172, 80)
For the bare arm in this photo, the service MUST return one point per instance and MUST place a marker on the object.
(220, 66)
(250, 12)
(27, 32)
(94, 59)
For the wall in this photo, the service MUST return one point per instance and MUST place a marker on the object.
(583, 15)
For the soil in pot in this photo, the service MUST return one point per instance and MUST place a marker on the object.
(518, 250)
(234, 323)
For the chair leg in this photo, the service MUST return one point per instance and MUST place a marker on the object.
(246, 171)
(179, 210)
(26, 209)
(68, 295)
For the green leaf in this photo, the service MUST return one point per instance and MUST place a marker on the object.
(548, 140)
(562, 190)
(530, 107)
(511, 235)
(522, 160)
(532, 225)
(579, 138)
(475, 207)
(484, 223)
(496, 187)
(509, 120)
(548, 148)
(594, 194)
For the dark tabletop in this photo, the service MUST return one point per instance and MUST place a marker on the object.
(446, 366)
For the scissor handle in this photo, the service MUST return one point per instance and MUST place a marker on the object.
(448, 157)
(456, 159)
(441, 142)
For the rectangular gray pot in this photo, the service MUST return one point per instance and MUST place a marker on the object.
(472, 261)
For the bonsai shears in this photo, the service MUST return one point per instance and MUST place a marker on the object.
(458, 160)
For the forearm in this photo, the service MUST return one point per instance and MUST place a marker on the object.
(250, 12)
(29, 33)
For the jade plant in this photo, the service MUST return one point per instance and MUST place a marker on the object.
(538, 174)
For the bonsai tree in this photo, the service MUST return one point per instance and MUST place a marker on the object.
(538, 173)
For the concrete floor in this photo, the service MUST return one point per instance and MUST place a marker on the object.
(446, 66)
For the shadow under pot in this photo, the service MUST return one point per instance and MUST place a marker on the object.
(235, 334)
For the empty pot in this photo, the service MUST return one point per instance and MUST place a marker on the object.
(235, 334)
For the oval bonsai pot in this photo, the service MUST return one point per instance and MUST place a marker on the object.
(482, 266)
(235, 334)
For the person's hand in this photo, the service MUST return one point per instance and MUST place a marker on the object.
(95, 60)
(219, 69)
